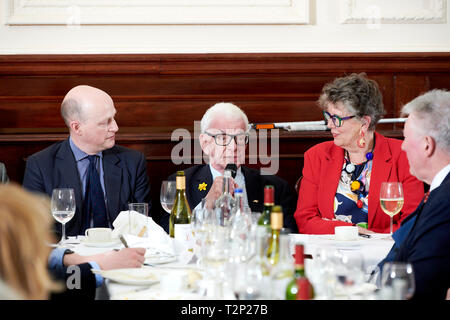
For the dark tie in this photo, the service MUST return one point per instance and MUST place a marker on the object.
(94, 200)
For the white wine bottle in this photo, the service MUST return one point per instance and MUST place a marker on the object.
(276, 223)
(180, 217)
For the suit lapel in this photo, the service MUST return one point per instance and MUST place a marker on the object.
(381, 171)
(66, 169)
(198, 188)
(113, 180)
(332, 174)
(254, 189)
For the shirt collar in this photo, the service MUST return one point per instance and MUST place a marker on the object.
(78, 153)
(437, 180)
(216, 173)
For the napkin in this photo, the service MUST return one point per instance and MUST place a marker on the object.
(135, 223)
(143, 232)
(146, 233)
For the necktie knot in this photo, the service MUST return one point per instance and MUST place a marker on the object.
(92, 159)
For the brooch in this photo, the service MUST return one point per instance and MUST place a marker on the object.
(202, 186)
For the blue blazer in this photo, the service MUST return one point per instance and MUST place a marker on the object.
(254, 184)
(427, 244)
(125, 174)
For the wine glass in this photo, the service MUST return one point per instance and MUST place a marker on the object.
(63, 208)
(349, 272)
(398, 279)
(167, 195)
(391, 199)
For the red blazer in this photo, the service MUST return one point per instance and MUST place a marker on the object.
(321, 174)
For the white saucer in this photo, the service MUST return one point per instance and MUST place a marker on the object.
(157, 259)
(100, 244)
(131, 276)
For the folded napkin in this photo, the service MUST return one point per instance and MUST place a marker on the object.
(143, 232)
(132, 222)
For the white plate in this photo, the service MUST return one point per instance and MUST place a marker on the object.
(159, 259)
(152, 294)
(100, 244)
(131, 276)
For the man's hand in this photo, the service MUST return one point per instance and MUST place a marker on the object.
(216, 190)
(125, 258)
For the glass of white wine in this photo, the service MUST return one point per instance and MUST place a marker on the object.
(167, 195)
(391, 199)
(63, 208)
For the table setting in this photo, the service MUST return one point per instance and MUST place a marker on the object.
(339, 265)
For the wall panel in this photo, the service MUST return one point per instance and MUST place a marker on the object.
(155, 94)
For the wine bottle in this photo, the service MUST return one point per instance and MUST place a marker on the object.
(180, 217)
(283, 272)
(264, 219)
(299, 288)
(225, 204)
(276, 223)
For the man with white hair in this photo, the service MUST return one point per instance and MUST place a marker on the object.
(424, 237)
(224, 138)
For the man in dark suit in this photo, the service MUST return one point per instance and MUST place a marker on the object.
(224, 138)
(424, 237)
(90, 160)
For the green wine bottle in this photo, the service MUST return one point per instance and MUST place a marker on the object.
(276, 223)
(299, 288)
(180, 217)
(264, 219)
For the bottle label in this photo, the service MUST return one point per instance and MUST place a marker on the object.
(183, 233)
(276, 220)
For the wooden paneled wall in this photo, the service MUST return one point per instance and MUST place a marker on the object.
(155, 94)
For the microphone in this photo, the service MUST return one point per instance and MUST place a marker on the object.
(233, 168)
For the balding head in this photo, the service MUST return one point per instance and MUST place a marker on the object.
(89, 113)
(79, 100)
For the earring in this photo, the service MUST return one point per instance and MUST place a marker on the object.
(361, 142)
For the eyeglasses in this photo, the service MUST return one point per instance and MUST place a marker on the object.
(224, 139)
(337, 121)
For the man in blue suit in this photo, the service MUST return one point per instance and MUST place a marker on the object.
(424, 237)
(119, 175)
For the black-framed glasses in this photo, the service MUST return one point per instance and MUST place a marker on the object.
(224, 139)
(337, 121)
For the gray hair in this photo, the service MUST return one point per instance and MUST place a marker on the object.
(359, 95)
(433, 111)
(222, 110)
(71, 109)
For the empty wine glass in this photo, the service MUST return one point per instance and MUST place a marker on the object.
(398, 279)
(200, 220)
(63, 208)
(167, 195)
(349, 272)
(391, 199)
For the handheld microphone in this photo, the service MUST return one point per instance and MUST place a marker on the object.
(233, 168)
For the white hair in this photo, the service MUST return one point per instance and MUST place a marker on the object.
(224, 110)
(433, 111)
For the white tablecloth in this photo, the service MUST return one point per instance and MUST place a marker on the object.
(373, 251)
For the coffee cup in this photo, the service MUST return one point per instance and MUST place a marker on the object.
(346, 233)
(99, 235)
(174, 281)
